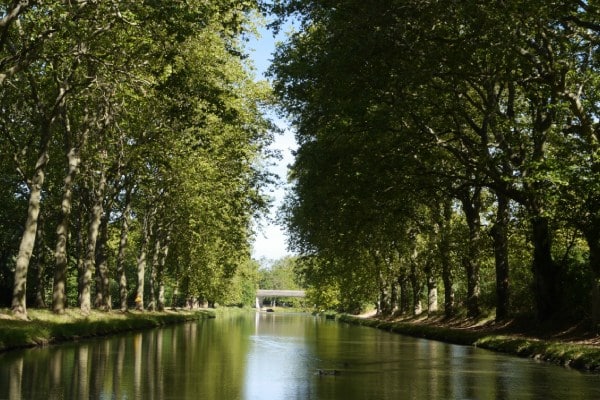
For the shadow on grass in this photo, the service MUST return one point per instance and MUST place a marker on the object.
(578, 356)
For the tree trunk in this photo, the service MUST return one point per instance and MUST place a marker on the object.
(500, 235)
(545, 271)
(592, 236)
(394, 296)
(40, 266)
(154, 270)
(595, 266)
(417, 290)
(90, 254)
(121, 276)
(444, 252)
(160, 274)
(471, 203)
(473, 289)
(26, 246)
(141, 262)
(404, 294)
(432, 293)
(80, 256)
(103, 297)
(175, 297)
(59, 296)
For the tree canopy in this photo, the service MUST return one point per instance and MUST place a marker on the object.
(450, 142)
(132, 140)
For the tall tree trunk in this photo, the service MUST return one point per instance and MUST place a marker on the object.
(394, 296)
(175, 296)
(103, 298)
(121, 276)
(90, 253)
(40, 265)
(432, 293)
(444, 251)
(26, 246)
(80, 254)
(471, 202)
(591, 232)
(545, 270)
(154, 269)
(593, 240)
(142, 260)
(500, 235)
(160, 274)
(405, 298)
(59, 296)
(417, 289)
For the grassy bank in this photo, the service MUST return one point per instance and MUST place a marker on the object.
(43, 327)
(570, 352)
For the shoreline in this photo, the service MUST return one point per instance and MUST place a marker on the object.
(44, 328)
(567, 353)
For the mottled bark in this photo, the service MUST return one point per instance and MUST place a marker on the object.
(26, 245)
(175, 297)
(417, 290)
(160, 274)
(405, 297)
(444, 252)
(35, 185)
(594, 244)
(432, 291)
(591, 231)
(499, 234)
(80, 246)
(142, 261)
(154, 270)
(59, 297)
(90, 253)
(471, 202)
(394, 296)
(40, 265)
(121, 276)
(103, 298)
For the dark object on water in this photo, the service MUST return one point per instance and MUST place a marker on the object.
(328, 372)
(270, 310)
(330, 316)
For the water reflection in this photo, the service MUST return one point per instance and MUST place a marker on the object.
(276, 356)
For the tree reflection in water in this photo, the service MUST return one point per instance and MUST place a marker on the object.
(275, 356)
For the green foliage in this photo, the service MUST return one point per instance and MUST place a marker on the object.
(279, 275)
(243, 286)
(401, 107)
(282, 274)
(158, 99)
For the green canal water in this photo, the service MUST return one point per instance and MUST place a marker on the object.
(256, 356)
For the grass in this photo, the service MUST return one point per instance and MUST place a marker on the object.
(583, 356)
(578, 356)
(43, 327)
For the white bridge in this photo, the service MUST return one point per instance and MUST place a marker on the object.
(262, 293)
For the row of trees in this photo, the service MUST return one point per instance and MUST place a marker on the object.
(446, 145)
(131, 142)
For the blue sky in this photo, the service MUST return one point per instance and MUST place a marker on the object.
(270, 241)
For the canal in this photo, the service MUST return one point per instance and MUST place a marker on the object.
(279, 356)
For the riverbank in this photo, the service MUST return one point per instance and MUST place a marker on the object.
(44, 327)
(571, 347)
